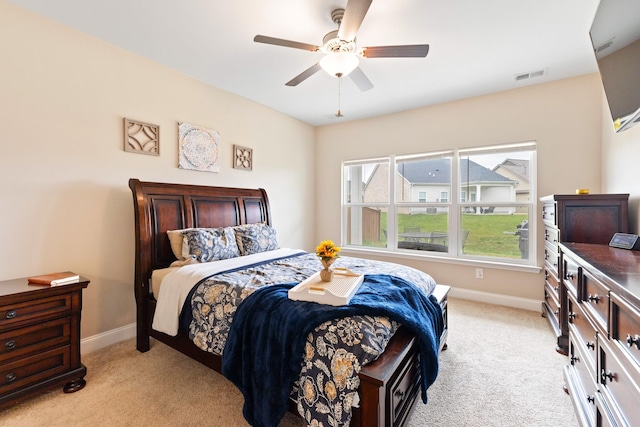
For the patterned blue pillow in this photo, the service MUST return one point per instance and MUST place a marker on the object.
(254, 238)
(210, 244)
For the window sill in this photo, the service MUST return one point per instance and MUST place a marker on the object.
(356, 251)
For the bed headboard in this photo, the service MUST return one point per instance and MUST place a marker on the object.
(159, 207)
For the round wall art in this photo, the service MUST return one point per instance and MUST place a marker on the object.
(198, 147)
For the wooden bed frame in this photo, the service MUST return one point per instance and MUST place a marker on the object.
(389, 386)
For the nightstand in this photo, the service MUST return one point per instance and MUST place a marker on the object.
(39, 338)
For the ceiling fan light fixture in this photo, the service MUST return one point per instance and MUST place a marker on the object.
(339, 64)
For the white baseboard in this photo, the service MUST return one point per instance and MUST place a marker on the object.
(96, 342)
(498, 299)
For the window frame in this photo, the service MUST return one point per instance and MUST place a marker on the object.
(454, 205)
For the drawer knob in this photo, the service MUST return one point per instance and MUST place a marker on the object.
(11, 314)
(591, 345)
(607, 375)
(399, 394)
(10, 377)
(569, 276)
(633, 341)
(591, 399)
(574, 359)
(572, 316)
(11, 344)
(593, 298)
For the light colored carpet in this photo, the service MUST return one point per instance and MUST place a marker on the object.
(500, 369)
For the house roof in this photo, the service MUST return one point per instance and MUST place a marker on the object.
(438, 171)
(518, 167)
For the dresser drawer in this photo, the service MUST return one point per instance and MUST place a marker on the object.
(625, 327)
(596, 299)
(584, 334)
(605, 417)
(582, 384)
(551, 237)
(619, 378)
(40, 308)
(551, 284)
(551, 259)
(22, 341)
(34, 369)
(570, 273)
(550, 296)
(549, 213)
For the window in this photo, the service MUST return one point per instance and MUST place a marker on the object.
(474, 203)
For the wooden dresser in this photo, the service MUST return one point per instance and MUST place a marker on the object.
(591, 218)
(39, 338)
(603, 377)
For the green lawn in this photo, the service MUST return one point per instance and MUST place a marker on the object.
(486, 232)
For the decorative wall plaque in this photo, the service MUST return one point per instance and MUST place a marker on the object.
(142, 138)
(242, 158)
(198, 148)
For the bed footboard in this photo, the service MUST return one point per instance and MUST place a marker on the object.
(390, 386)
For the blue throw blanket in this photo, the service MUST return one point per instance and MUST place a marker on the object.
(264, 349)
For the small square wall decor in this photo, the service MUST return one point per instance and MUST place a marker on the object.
(198, 148)
(242, 158)
(142, 138)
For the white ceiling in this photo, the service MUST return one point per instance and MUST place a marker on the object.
(476, 47)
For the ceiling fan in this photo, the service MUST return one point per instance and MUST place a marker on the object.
(342, 53)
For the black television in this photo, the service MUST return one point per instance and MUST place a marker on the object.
(615, 35)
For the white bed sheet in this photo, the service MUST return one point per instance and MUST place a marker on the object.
(171, 285)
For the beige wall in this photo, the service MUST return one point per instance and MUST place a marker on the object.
(564, 117)
(63, 171)
(621, 164)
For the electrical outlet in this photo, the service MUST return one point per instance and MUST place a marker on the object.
(479, 273)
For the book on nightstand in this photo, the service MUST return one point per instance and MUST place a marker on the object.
(54, 279)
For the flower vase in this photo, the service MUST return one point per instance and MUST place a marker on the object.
(325, 274)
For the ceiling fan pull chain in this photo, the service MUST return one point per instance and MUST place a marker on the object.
(339, 75)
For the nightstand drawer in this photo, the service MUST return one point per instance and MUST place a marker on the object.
(40, 308)
(19, 342)
(34, 369)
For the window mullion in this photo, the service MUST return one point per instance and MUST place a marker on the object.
(392, 224)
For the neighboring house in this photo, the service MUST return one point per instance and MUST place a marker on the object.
(517, 170)
(429, 181)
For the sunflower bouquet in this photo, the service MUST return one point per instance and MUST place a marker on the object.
(327, 251)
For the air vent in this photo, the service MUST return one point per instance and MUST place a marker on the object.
(604, 46)
(530, 75)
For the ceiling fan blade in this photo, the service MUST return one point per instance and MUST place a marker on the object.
(304, 75)
(353, 16)
(402, 51)
(360, 79)
(285, 43)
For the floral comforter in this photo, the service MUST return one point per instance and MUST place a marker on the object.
(334, 352)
